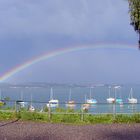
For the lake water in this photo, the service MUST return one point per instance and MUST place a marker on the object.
(41, 96)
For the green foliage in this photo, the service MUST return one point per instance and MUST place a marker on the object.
(135, 118)
(1, 103)
(73, 118)
(134, 9)
(34, 116)
(94, 119)
(45, 109)
(66, 118)
(7, 115)
(122, 119)
(62, 110)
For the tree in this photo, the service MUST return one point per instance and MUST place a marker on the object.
(134, 9)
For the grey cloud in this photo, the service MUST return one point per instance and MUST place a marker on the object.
(89, 19)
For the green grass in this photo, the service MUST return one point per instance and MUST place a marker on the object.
(32, 116)
(70, 118)
(7, 116)
(96, 119)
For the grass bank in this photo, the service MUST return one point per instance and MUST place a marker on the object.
(70, 118)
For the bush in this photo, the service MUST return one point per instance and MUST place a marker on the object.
(34, 116)
(61, 117)
(7, 115)
(135, 118)
(98, 119)
(122, 119)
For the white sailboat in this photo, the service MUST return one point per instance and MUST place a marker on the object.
(131, 99)
(52, 102)
(1, 101)
(110, 99)
(85, 106)
(21, 102)
(118, 100)
(91, 100)
(71, 103)
(31, 107)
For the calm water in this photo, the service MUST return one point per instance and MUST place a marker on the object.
(42, 94)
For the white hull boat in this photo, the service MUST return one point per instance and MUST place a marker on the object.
(31, 108)
(131, 99)
(110, 100)
(53, 103)
(91, 100)
(71, 103)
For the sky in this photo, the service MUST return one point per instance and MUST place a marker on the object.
(28, 28)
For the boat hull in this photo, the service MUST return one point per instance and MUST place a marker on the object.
(53, 103)
(132, 101)
(111, 100)
(91, 101)
(119, 101)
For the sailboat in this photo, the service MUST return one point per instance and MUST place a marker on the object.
(131, 99)
(1, 101)
(31, 107)
(21, 102)
(85, 106)
(118, 100)
(110, 99)
(91, 100)
(52, 102)
(70, 103)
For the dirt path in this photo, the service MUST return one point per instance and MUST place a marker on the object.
(46, 131)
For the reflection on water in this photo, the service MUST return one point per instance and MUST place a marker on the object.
(132, 108)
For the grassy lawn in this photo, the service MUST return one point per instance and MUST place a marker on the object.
(74, 118)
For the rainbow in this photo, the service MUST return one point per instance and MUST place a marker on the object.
(58, 52)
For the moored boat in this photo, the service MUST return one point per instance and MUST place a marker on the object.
(118, 100)
(71, 103)
(2, 102)
(52, 102)
(110, 99)
(91, 100)
(85, 107)
(21, 102)
(131, 99)
(31, 107)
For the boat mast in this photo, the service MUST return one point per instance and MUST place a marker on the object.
(120, 93)
(85, 98)
(115, 92)
(131, 92)
(31, 99)
(21, 95)
(90, 92)
(70, 94)
(51, 94)
(109, 91)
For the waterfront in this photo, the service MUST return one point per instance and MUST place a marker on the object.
(41, 96)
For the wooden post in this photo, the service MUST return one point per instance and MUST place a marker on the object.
(82, 113)
(114, 109)
(49, 112)
(15, 107)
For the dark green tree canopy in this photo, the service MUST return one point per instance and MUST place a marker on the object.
(134, 9)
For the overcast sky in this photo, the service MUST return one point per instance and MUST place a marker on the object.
(29, 28)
